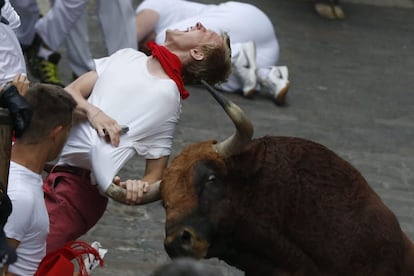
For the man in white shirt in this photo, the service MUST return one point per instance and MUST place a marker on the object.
(28, 225)
(255, 48)
(143, 93)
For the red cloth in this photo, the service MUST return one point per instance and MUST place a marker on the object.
(74, 206)
(59, 262)
(171, 64)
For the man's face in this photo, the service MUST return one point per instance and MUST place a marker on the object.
(191, 38)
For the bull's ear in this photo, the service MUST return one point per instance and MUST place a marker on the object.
(249, 161)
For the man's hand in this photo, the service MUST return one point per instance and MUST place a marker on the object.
(22, 83)
(135, 189)
(18, 107)
(105, 126)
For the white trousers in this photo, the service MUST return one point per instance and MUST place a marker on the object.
(68, 20)
(53, 27)
(117, 19)
(11, 56)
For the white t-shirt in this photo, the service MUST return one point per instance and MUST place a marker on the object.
(11, 55)
(148, 105)
(172, 11)
(242, 21)
(29, 221)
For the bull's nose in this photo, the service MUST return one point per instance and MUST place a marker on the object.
(186, 242)
(179, 244)
(186, 239)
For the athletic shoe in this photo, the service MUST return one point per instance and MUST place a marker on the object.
(46, 71)
(91, 262)
(245, 67)
(276, 83)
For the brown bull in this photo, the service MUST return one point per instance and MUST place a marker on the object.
(279, 206)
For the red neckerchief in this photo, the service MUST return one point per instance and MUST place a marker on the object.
(171, 65)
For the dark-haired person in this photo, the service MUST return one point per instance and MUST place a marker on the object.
(28, 225)
(14, 106)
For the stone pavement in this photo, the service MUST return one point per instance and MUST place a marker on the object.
(352, 89)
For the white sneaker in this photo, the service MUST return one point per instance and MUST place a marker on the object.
(276, 83)
(91, 262)
(245, 67)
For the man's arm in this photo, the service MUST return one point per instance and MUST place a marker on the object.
(81, 89)
(146, 21)
(145, 190)
(154, 169)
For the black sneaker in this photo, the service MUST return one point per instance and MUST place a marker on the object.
(46, 71)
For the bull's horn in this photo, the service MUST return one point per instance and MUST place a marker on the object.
(244, 128)
(119, 194)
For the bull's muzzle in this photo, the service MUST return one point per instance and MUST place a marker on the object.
(185, 242)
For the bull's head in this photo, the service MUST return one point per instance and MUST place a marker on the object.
(192, 191)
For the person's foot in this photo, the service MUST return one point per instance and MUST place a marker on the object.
(245, 67)
(45, 70)
(329, 9)
(276, 83)
(91, 261)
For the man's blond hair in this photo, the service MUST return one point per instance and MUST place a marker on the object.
(214, 68)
